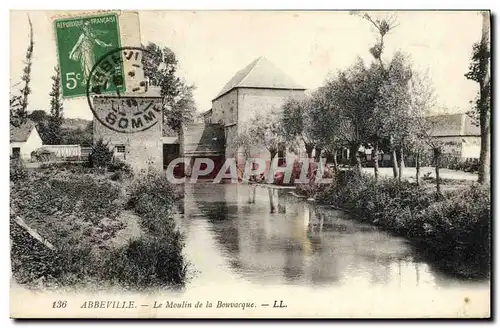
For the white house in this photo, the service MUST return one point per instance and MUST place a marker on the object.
(23, 140)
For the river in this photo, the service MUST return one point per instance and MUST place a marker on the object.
(262, 244)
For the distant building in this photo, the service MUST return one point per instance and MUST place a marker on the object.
(207, 116)
(462, 138)
(260, 87)
(24, 140)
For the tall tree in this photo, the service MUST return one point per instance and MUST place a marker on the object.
(160, 67)
(479, 71)
(297, 123)
(53, 131)
(19, 103)
(325, 124)
(383, 26)
(351, 98)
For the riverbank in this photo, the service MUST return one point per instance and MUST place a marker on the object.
(453, 232)
(105, 231)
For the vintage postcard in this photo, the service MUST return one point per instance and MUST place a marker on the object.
(250, 164)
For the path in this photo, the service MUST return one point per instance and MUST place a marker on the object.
(409, 172)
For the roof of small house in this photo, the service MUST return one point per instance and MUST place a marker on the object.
(22, 132)
(453, 125)
(260, 73)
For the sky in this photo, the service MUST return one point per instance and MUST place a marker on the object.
(308, 45)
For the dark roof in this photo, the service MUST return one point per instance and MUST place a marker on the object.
(22, 132)
(260, 73)
(452, 125)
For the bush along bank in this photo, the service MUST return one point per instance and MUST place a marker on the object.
(77, 214)
(155, 259)
(452, 233)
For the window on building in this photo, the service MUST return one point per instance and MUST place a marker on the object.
(120, 149)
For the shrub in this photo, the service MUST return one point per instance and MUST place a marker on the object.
(156, 258)
(151, 192)
(118, 165)
(100, 155)
(467, 165)
(458, 229)
(73, 167)
(148, 261)
(17, 170)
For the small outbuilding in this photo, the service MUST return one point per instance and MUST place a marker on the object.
(24, 139)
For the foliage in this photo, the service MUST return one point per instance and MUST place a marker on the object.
(155, 259)
(117, 165)
(78, 215)
(263, 130)
(297, 122)
(79, 136)
(64, 196)
(53, 133)
(17, 170)
(467, 165)
(151, 196)
(101, 155)
(160, 67)
(38, 115)
(150, 261)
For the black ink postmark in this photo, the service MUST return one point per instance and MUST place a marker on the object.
(120, 113)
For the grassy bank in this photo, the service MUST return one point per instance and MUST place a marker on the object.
(453, 233)
(78, 213)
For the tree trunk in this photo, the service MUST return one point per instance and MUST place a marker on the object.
(417, 167)
(437, 165)
(394, 159)
(317, 154)
(355, 159)
(281, 157)
(273, 154)
(375, 161)
(484, 155)
(335, 163)
(401, 163)
(309, 150)
(484, 106)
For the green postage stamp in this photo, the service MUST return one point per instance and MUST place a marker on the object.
(81, 42)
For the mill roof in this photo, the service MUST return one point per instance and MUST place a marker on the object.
(261, 73)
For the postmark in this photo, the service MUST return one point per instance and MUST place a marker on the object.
(122, 113)
(80, 42)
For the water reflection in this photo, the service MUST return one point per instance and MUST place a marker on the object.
(267, 236)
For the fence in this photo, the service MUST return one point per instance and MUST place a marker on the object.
(56, 153)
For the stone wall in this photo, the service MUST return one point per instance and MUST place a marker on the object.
(142, 149)
(252, 101)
